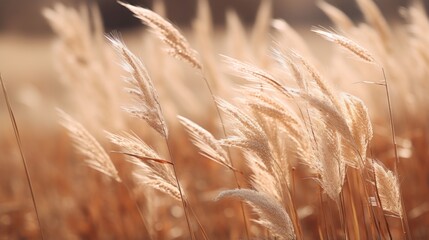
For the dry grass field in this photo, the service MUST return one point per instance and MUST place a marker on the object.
(268, 131)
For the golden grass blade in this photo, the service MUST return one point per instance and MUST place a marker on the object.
(24, 162)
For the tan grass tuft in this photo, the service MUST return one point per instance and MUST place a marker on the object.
(260, 31)
(374, 17)
(320, 82)
(149, 173)
(209, 146)
(388, 190)
(248, 133)
(256, 75)
(339, 18)
(87, 145)
(177, 44)
(147, 105)
(271, 214)
(347, 44)
(360, 126)
(333, 168)
(330, 115)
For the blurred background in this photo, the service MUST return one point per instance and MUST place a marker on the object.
(70, 193)
(23, 16)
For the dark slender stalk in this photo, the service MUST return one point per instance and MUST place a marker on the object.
(371, 209)
(323, 213)
(184, 203)
(199, 223)
(404, 219)
(331, 219)
(292, 210)
(353, 207)
(21, 152)
(228, 151)
(134, 199)
(343, 216)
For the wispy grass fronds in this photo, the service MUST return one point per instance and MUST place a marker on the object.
(177, 44)
(147, 106)
(288, 36)
(271, 108)
(262, 179)
(388, 190)
(271, 214)
(148, 172)
(133, 145)
(360, 126)
(338, 17)
(321, 83)
(347, 44)
(238, 45)
(260, 31)
(257, 75)
(330, 115)
(208, 145)
(147, 177)
(248, 133)
(375, 18)
(88, 146)
(333, 168)
(84, 63)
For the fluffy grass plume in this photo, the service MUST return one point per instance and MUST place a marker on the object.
(95, 156)
(177, 44)
(147, 106)
(346, 43)
(388, 190)
(300, 129)
(271, 214)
